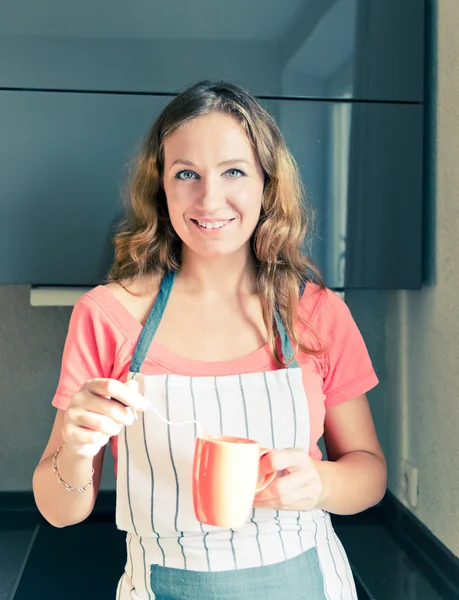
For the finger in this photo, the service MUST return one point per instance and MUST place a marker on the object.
(134, 385)
(283, 459)
(110, 408)
(126, 394)
(300, 502)
(296, 499)
(87, 450)
(76, 436)
(101, 423)
(283, 487)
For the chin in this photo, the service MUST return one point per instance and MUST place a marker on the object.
(224, 250)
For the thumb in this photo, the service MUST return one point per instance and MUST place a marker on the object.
(134, 384)
(266, 463)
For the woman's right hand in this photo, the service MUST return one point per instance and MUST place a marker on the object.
(97, 412)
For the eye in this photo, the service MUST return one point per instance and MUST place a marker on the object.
(235, 173)
(185, 175)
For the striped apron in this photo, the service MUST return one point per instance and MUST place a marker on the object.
(170, 555)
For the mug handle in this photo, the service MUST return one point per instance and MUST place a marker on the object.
(269, 477)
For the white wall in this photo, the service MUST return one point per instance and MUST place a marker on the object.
(424, 387)
(31, 344)
(419, 416)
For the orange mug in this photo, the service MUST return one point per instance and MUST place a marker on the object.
(226, 479)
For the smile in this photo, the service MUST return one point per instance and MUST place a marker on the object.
(211, 225)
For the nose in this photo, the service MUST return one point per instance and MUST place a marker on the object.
(210, 196)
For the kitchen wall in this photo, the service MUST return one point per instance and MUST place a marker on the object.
(414, 335)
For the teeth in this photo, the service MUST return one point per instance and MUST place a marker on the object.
(214, 225)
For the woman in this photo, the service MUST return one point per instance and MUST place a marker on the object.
(211, 299)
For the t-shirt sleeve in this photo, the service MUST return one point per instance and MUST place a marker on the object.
(89, 350)
(347, 368)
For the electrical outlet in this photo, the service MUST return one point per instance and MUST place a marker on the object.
(410, 483)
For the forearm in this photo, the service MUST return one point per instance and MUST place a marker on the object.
(59, 506)
(353, 483)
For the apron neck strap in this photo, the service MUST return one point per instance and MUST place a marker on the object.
(156, 314)
(287, 349)
(154, 318)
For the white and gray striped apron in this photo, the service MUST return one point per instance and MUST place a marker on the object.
(170, 555)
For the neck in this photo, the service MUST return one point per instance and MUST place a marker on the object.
(229, 275)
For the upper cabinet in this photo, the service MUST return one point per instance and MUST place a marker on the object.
(65, 160)
(328, 49)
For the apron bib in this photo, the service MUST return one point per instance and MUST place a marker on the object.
(171, 555)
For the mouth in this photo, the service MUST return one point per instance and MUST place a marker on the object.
(211, 226)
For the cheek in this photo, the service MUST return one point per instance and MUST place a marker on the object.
(176, 205)
(248, 204)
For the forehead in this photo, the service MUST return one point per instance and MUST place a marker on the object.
(212, 135)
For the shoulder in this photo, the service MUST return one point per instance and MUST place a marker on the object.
(324, 318)
(136, 287)
(120, 306)
(135, 297)
(321, 304)
(94, 309)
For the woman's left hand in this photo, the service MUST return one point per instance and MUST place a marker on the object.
(299, 485)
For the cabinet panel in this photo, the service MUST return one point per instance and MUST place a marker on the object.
(364, 49)
(362, 167)
(64, 164)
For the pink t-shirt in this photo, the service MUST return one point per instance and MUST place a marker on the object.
(103, 334)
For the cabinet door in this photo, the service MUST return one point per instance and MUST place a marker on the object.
(64, 161)
(64, 164)
(367, 49)
(362, 167)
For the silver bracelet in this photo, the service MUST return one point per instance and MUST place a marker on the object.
(68, 487)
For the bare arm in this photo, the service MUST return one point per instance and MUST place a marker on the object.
(96, 413)
(59, 506)
(354, 476)
(353, 479)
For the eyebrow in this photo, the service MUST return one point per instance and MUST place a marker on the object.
(182, 161)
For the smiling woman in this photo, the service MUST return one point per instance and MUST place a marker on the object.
(214, 207)
(222, 322)
(211, 130)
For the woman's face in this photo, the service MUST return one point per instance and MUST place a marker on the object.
(213, 182)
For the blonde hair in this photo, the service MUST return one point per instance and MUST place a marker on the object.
(148, 244)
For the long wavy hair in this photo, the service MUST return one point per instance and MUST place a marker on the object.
(146, 242)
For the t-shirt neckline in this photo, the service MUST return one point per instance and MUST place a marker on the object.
(258, 360)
